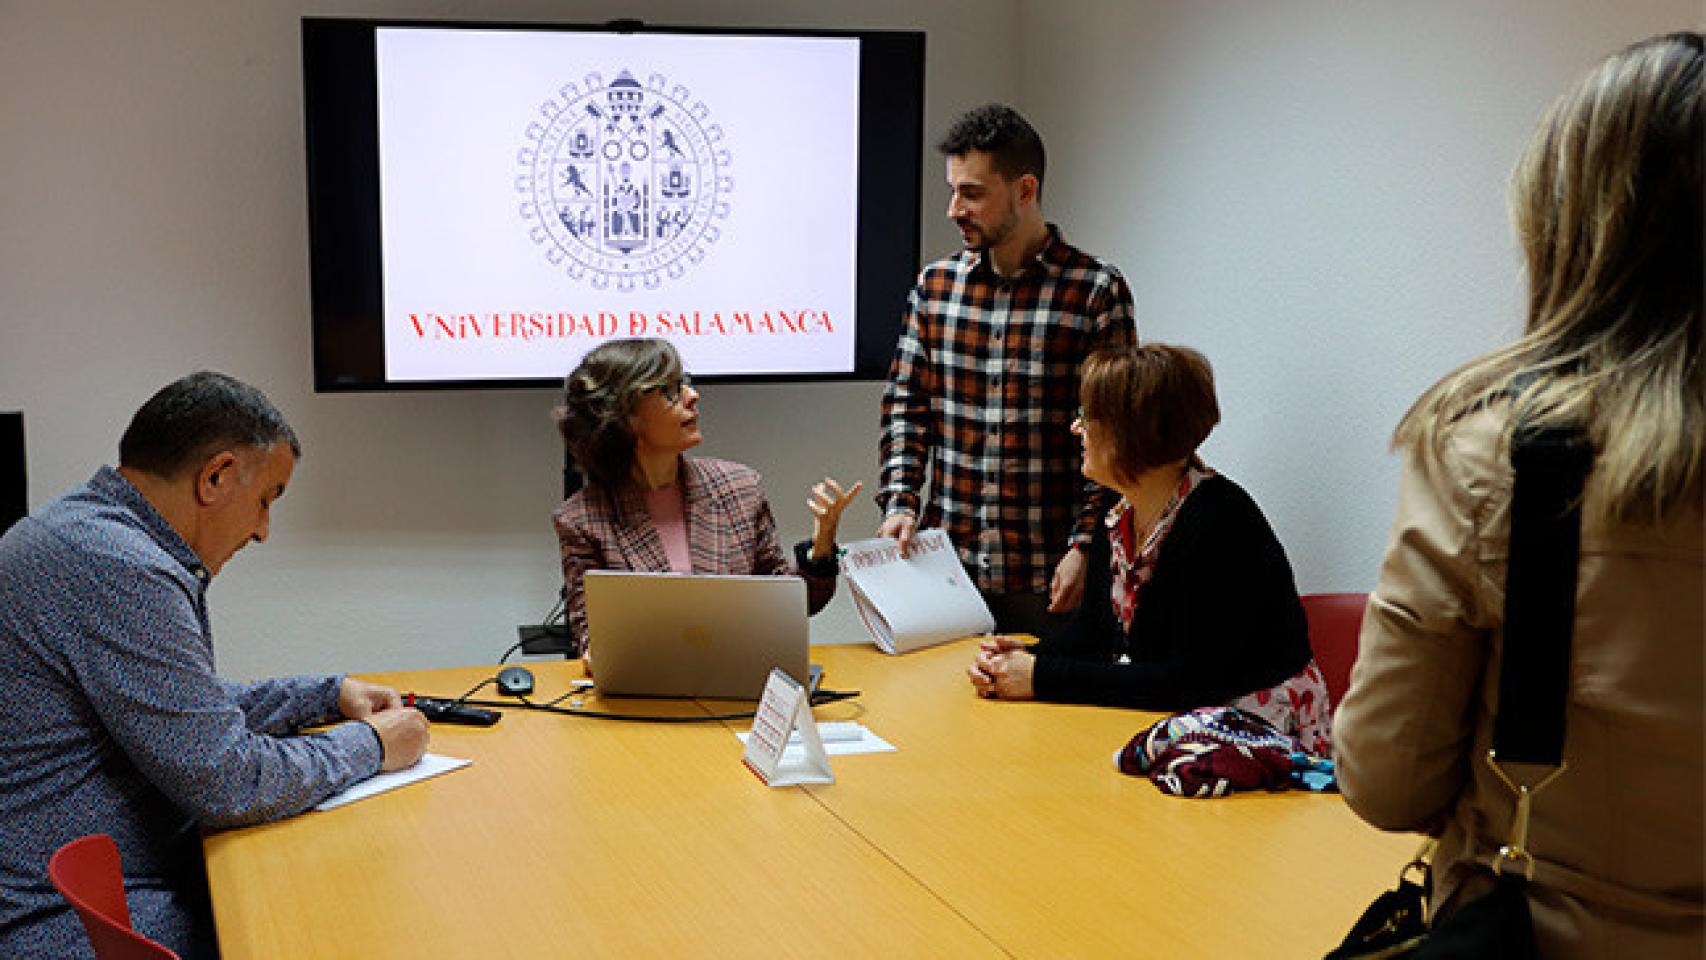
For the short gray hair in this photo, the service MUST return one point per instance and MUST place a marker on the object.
(192, 418)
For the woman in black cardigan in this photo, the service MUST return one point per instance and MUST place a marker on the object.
(1189, 601)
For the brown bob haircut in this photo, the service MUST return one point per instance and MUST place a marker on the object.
(600, 397)
(1155, 403)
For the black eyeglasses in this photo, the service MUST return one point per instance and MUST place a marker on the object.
(670, 390)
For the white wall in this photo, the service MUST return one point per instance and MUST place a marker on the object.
(1310, 192)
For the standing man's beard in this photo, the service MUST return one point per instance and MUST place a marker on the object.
(983, 239)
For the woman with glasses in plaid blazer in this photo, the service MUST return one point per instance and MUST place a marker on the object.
(629, 414)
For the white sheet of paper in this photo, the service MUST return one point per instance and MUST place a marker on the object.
(840, 738)
(429, 765)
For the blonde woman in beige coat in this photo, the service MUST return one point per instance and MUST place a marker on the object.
(1607, 205)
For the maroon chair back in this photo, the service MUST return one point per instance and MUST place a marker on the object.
(1335, 620)
(87, 874)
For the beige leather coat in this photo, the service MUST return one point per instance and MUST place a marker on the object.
(1618, 838)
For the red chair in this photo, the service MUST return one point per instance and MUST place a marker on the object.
(1335, 620)
(86, 873)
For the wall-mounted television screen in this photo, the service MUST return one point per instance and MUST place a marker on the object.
(488, 202)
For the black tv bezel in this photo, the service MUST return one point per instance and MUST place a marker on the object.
(341, 104)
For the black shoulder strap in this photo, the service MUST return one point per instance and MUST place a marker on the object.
(1551, 466)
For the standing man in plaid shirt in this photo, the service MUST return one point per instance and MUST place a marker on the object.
(985, 381)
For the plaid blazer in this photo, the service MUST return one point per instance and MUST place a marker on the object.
(729, 530)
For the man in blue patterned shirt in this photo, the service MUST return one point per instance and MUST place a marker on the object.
(112, 719)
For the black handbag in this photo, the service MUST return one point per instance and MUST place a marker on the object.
(1551, 467)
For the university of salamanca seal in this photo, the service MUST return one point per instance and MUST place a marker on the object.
(624, 185)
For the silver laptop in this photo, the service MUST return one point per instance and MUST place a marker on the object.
(694, 635)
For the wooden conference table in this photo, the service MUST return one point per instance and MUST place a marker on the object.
(997, 829)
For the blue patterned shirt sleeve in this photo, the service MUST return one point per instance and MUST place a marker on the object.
(283, 705)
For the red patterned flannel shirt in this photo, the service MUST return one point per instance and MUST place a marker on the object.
(982, 392)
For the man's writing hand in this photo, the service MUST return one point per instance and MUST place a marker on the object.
(403, 733)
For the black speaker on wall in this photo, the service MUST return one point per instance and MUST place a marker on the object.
(14, 498)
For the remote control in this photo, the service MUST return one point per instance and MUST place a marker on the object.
(449, 711)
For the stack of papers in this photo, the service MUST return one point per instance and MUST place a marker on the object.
(915, 601)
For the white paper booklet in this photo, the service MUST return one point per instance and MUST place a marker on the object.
(919, 600)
